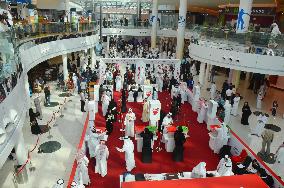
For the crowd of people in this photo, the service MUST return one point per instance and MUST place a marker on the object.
(135, 48)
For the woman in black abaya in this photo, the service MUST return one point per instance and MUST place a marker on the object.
(35, 129)
(146, 148)
(179, 141)
(123, 102)
(246, 113)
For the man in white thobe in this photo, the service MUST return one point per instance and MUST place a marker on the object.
(199, 171)
(259, 100)
(75, 83)
(37, 101)
(235, 107)
(221, 138)
(82, 167)
(227, 108)
(279, 163)
(94, 140)
(118, 82)
(213, 89)
(105, 103)
(101, 155)
(203, 111)
(193, 69)
(167, 121)
(59, 184)
(224, 167)
(259, 128)
(129, 123)
(128, 149)
(197, 92)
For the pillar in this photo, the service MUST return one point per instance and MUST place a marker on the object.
(20, 150)
(65, 69)
(207, 72)
(154, 23)
(244, 16)
(108, 40)
(236, 80)
(230, 76)
(93, 58)
(138, 9)
(181, 28)
(201, 73)
(27, 89)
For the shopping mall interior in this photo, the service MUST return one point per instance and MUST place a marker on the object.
(141, 93)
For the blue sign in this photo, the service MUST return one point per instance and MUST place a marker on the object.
(181, 21)
(152, 18)
(241, 21)
(20, 1)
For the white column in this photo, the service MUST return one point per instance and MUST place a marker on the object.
(93, 58)
(65, 70)
(207, 72)
(230, 76)
(108, 39)
(27, 89)
(201, 73)
(20, 150)
(181, 28)
(154, 23)
(244, 16)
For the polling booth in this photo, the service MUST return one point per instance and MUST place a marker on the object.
(154, 112)
(245, 181)
(148, 92)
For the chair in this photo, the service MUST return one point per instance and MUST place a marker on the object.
(240, 158)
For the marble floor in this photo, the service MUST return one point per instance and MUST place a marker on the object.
(67, 130)
(49, 167)
(244, 132)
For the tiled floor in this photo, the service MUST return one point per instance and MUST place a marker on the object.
(50, 167)
(244, 131)
(67, 131)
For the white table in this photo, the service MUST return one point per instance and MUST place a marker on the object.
(162, 176)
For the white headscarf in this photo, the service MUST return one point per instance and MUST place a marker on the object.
(275, 31)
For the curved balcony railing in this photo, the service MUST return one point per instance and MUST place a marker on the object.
(21, 37)
(262, 43)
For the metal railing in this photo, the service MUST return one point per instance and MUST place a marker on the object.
(262, 43)
(31, 34)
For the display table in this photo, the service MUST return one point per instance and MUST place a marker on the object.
(163, 176)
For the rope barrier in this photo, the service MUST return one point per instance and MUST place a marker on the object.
(53, 118)
(29, 158)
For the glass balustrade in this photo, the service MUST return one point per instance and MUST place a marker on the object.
(251, 42)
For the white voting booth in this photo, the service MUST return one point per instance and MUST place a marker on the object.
(196, 96)
(148, 92)
(155, 109)
(211, 113)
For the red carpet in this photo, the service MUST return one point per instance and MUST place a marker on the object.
(196, 147)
